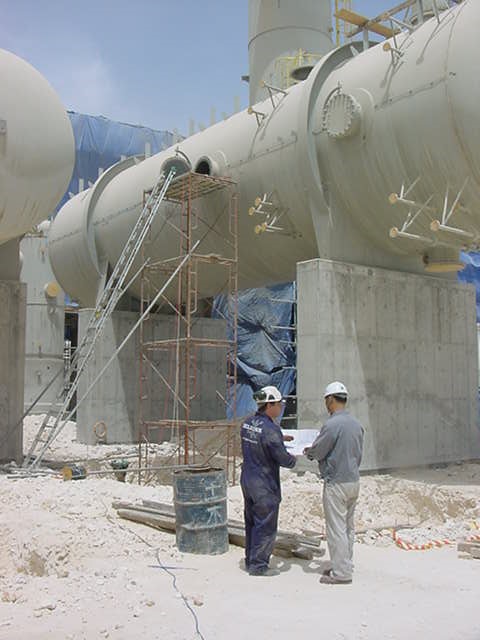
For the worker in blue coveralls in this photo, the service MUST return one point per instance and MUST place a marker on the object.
(263, 454)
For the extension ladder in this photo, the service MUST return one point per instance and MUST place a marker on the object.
(55, 419)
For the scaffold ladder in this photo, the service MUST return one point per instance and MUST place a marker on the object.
(55, 419)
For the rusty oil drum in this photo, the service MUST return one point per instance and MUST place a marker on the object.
(200, 497)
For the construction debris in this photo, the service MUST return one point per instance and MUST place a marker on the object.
(472, 548)
(162, 516)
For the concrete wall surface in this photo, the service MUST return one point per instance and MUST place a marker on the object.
(406, 347)
(12, 359)
(115, 398)
(44, 325)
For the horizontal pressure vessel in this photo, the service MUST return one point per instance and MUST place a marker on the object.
(329, 154)
(37, 152)
(402, 113)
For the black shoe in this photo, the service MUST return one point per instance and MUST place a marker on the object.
(268, 573)
(331, 579)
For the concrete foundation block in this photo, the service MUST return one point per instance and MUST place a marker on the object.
(115, 398)
(12, 367)
(45, 326)
(406, 347)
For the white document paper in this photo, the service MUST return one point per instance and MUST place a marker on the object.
(301, 438)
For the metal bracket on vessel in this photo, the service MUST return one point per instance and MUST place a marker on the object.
(462, 237)
(259, 115)
(272, 213)
(394, 52)
(447, 212)
(272, 91)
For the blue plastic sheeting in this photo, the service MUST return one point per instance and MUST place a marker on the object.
(100, 143)
(264, 349)
(262, 355)
(471, 274)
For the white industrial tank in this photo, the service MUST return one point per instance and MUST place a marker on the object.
(36, 147)
(275, 29)
(331, 154)
(404, 112)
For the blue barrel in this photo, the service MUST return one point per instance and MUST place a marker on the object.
(200, 497)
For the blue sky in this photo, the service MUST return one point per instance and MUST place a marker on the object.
(151, 62)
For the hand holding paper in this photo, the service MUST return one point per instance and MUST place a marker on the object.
(299, 440)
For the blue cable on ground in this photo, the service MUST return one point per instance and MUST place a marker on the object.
(185, 601)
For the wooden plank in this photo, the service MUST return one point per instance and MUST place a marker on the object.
(161, 506)
(296, 539)
(351, 17)
(385, 16)
(153, 520)
(286, 545)
(473, 548)
(362, 22)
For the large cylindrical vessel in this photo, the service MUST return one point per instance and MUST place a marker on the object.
(402, 114)
(36, 147)
(91, 230)
(328, 155)
(281, 31)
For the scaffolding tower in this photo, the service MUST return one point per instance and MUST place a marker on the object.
(170, 404)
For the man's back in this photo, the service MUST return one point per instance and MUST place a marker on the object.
(263, 453)
(339, 447)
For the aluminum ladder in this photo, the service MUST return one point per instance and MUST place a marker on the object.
(55, 419)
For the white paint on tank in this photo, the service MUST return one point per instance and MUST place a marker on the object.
(37, 152)
(280, 28)
(329, 163)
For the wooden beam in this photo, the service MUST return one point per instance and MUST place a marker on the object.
(363, 23)
(161, 516)
(385, 16)
(473, 548)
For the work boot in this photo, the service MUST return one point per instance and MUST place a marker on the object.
(264, 572)
(330, 578)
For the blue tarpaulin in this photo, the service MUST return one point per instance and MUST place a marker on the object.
(100, 143)
(266, 350)
(471, 274)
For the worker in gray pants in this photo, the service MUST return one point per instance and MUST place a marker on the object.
(338, 450)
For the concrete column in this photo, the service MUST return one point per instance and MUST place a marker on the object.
(45, 324)
(114, 399)
(12, 366)
(406, 347)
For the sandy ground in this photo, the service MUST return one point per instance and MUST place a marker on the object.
(70, 569)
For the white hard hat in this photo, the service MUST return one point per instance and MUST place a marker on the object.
(336, 389)
(267, 394)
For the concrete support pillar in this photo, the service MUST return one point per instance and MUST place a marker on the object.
(114, 399)
(406, 347)
(45, 324)
(12, 366)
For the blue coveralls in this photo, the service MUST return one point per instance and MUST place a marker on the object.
(263, 455)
